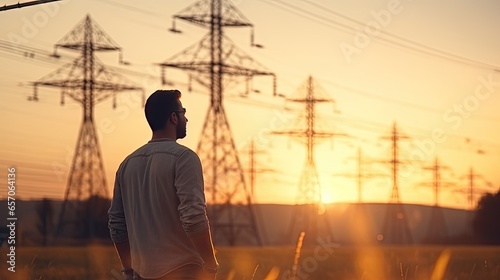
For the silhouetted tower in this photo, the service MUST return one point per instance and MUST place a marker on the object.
(473, 188)
(360, 175)
(395, 228)
(309, 213)
(358, 221)
(471, 176)
(87, 82)
(253, 168)
(232, 216)
(437, 225)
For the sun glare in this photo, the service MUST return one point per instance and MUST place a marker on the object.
(327, 197)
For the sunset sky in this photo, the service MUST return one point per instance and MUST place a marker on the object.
(433, 68)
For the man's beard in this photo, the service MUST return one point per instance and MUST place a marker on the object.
(181, 130)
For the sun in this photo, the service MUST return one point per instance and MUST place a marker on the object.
(327, 197)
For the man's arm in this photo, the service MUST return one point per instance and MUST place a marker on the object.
(123, 250)
(192, 207)
(203, 244)
(118, 229)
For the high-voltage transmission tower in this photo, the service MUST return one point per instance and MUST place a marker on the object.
(88, 82)
(473, 187)
(253, 168)
(437, 230)
(395, 227)
(213, 62)
(358, 222)
(309, 214)
(360, 175)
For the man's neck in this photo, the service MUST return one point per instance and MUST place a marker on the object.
(161, 134)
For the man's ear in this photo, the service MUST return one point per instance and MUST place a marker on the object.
(174, 118)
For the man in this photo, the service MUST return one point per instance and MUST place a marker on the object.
(157, 218)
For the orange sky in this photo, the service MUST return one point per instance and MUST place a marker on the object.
(430, 67)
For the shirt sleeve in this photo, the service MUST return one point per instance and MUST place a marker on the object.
(116, 223)
(190, 191)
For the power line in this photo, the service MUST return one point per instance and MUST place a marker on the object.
(37, 54)
(48, 57)
(309, 15)
(441, 52)
(131, 8)
(25, 4)
(408, 44)
(29, 52)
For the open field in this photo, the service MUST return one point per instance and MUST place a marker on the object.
(320, 262)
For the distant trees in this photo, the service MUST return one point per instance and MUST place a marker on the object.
(486, 221)
(45, 224)
(97, 219)
(87, 219)
(4, 233)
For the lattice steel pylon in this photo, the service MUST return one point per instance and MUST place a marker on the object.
(395, 229)
(437, 230)
(360, 175)
(87, 82)
(473, 189)
(359, 223)
(214, 58)
(309, 214)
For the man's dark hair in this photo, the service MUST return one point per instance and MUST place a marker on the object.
(159, 106)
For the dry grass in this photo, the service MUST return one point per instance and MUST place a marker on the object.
(345, 263)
